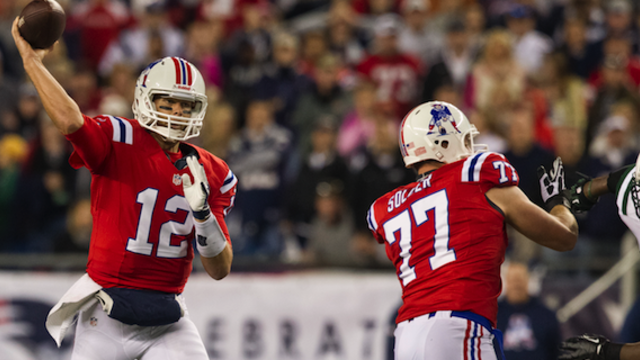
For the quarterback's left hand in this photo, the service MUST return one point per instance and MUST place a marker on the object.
(552, 187)
(197, 192)
(589, 347)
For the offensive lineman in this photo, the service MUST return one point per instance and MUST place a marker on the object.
(149, 191)
(446, 234)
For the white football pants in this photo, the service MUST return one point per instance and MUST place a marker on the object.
(99, 337)
(443, 337)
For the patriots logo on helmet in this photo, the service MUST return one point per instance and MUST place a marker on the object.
(441, 114)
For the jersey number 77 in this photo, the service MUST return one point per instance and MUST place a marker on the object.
(399, 228)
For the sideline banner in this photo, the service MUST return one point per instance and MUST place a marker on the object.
(303, 315)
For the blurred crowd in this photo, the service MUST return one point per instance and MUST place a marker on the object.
(306, 98)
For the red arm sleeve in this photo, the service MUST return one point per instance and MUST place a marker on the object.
(91, 143)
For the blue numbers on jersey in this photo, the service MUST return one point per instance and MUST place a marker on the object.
(399, 227)
(141, 245)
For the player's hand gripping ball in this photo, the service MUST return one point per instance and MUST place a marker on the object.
(41, 23)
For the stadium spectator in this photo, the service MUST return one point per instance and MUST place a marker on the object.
(258, 155)
(415, 38)
(26, 114)
(242, 74)
(91, 26)
(583, 56)
(314, 46)
(281, 82)
(453, 64)
(345, 38)
(358, 126)
(324, 97)
(13, 151)
(154, 37)
(219, 128)
(253, 31)
(319, 164)
(496, 80)
(530, 329)
(47, 185)
(616, 87)
(395, 74)
(77, 235)
(563, 91)
(203, 40)
(331, 228)
(530, 46)
(619, 47)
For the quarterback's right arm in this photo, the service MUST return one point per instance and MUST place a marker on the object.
(64, 112)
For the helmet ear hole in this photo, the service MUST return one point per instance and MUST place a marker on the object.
(445, 144)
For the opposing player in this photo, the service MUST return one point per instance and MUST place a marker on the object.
(446, 234)
(625, 184)
(151, 194)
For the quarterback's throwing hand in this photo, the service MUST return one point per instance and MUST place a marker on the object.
(197, 192)
(589, 347)
(552, 186)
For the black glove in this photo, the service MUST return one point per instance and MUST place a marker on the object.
(589, 347)
(552, 187)
(579, 200)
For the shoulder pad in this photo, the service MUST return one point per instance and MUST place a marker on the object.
(488, 167)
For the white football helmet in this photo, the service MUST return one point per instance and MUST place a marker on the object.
(436, 130)
(175, 78)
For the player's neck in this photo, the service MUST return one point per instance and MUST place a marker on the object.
(428, 166)
(170, 146)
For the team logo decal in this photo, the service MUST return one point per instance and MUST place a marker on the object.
(441, 114)
(177, 180)
(93, 321)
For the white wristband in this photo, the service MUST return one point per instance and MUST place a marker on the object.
(210, 240)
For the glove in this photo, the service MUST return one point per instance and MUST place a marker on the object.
(197, 192)
(589, 347)
(579, 200)
(552, 186)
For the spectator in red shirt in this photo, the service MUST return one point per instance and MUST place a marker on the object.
(395, 74)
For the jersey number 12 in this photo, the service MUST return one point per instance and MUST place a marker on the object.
(141, 245)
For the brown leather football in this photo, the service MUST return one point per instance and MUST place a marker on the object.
(41, 23)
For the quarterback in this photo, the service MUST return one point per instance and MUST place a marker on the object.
(152, 195)
(446, 234)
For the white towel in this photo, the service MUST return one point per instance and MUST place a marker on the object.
(62, 315)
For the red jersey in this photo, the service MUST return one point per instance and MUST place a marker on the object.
(396, 77)
(142, 224)
(446, 240)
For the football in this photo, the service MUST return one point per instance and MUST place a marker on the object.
(41, 23)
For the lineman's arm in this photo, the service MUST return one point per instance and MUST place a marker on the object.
(64, 112)
(630, 351)
(557, 229)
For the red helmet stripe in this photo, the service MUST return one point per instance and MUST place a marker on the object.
(189, 77)
(178, 71)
